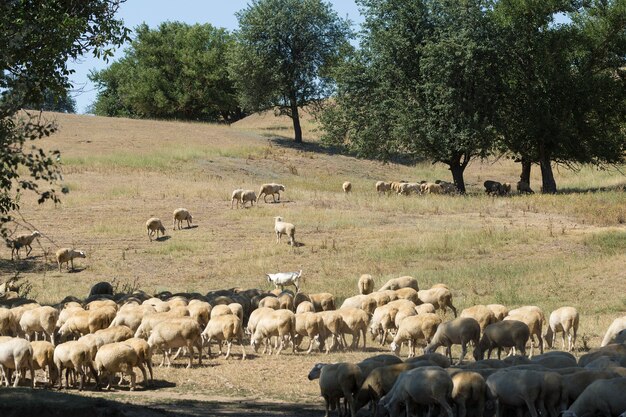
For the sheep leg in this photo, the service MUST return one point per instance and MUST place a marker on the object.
(30, 248)
(229, 344)
(143, 373)
(463, 352)
(72, 261)
(133, 378)
(243, 349)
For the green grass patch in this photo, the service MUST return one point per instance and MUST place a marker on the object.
(175, 248)
(609, 243)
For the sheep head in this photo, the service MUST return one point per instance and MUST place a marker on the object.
(278, 219)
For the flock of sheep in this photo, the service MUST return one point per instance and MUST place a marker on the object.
(107, 334)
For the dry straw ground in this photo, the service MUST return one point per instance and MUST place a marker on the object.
(565, 249)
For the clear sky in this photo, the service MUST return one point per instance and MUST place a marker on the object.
(220, 13)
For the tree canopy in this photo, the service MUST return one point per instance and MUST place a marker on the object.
(449, 81)
(284, 54)
(177, 71)
(38, 39)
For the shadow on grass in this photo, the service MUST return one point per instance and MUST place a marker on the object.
(51, 403)
(317, 147)
(163, 238)
(592, 190)
(30, 264)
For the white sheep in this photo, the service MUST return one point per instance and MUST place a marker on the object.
(283, 228)
(383, 187)
(413, 329)
(279, 323)
(176, 333)
(40, 319)
(618, 325)
(16, 354)
(248, 196)
(273, 189)
(154, 225)
(402, 282)
(118, 357)
(340, 380)
(235, 197)
(23, 240)
(366, 284)
(77, 356)
(224, 328)
(311, 325)
(564, 320)
(67, 255)
(180, 215)
(347, 187)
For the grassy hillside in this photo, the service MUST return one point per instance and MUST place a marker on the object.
(565, 249)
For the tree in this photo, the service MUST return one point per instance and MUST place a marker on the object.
(176, 71)
(38, 39)
(425, 84)
(63, 103)
(284, 54)
(564, 100)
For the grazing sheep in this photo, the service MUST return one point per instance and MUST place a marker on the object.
(355, 322)
(496, 188)
(483, 315)
(402, 282)
(129, 316)
(21, 241)
(76, 324)
(617, 326)
(468, 392)
(74, 355)
(254, 318)
(154, 225)
(148, 322)
(100, 318)
(40, 319)
(16, 354)
(364, 302)
(333, 325)
(305, 307)
(499, 311)
(382, 322)
(347, 187)
(524, 188)
(310, 325)
(236, 196)
(563, 320)
(439, 297)
(426, 386)
(247, 196)
(383, 187)
(270, 302)
(510, 333)
(534, 319)
(603, 397)
(612, 351)
(280, 323)
(176, 333)
(425, 308)
(577, 382)
(144, 355)
(339, 380)
(408, 294)
(414, 329)
(283, 228)
(431, 188)
(515, 388)
(43, 358)
(117, 357)
(180, 215)
(224, 328)
(382, 298)
(67, 255)
(323, 301)
(378, 382)
(555, 360)
(114, 334)
(8, 324)
(272, 189)
(459, 331)
(366, 284)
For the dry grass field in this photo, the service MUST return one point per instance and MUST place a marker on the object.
(550, 251)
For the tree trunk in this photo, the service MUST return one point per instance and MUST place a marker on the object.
(457, 164)
(547, 176)
(295, 116)
(525, 175)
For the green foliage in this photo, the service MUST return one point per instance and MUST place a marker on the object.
(424, 84)
(177, 71)
(38, 39)
(63, 103)
(284, 54)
